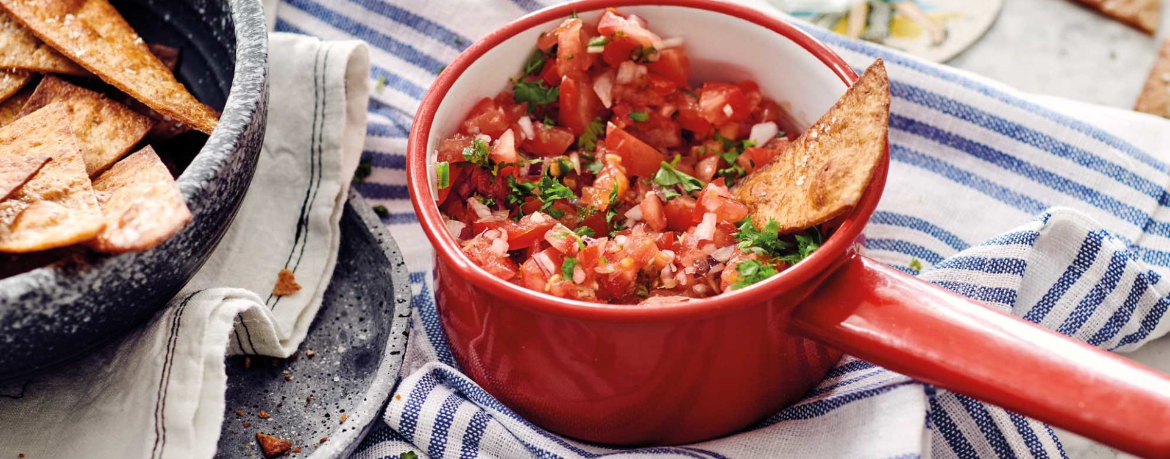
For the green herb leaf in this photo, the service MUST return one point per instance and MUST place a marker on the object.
(916, 264)
(548, 190)
(598, 41)
(549, 121)
(567, 267)
(763, 242)
(584, 231)
(643, 55)
(364, 169)
(458, 41)
(640, 117)
(381, 83)
(440, 70)
(408, 455)
(750, 272)
(731, 174)
(667, 176)
(588, 139)
(806, 244)
(382, 212)
(535, 63)
(443, 173)
(477, 153)
(535, 93)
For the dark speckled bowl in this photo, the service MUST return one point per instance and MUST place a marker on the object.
(60, 312)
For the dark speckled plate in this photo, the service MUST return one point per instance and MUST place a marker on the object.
(359, 338)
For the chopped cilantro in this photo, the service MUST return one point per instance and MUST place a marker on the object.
(382, 212)
(408, 455)
(364, 169)
(440, 70)
(381, 84)
(611, 215)
(642, 291)
(567, 267)
(477, 153)
(594, 167)
(731, 174)
(640, 117)
(643, 55)
(588, 139)
(574, 15)
(535, 93)
(443, 173)
(584, 231)
(762, 242)
(487, 201)
(916, 264)
(598, 41)
(548, 190)
(668, 177)
(458, 41)
(549, 121)
(535, 63)
(806, 244)
(752, 271)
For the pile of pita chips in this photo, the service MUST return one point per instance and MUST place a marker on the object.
(105, 129)
(93, 35)
(823, 174)
(1143, 15)
(1155, 97)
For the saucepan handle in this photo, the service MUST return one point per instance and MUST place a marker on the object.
(888, 318)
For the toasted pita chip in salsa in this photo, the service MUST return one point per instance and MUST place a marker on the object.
(105, 129)
(57, 207)
(95, 36)
(141, 203)
(21, 50)
(1155, 97)
(16, 170)
(824, 172)
(10, 108)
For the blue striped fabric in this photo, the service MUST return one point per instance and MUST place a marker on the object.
(982, 190)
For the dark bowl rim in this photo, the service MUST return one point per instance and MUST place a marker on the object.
(447, 249)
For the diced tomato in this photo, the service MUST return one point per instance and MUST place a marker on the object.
(572, 58)
(601, 194)
(756, 157)
(521, 234)
(548, 141)
(717, 199)
(721, 102)
(486, 118)
(689, 117)
(653, 213)
(639, 158)
(611, 22)
(546, 40)
(769, 111)
(673, 64)
(679, 213)
(549, 73)
(481, 251)
(619, 50)
(488, 185)
(597, 223)
(563, 239)
(504, 149)
(734, 130)
(451, 148)
(579, 104)
(665, 240)
(706, 168)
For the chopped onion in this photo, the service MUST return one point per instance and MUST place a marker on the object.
(700, 289)
(723, 253)
(621, 240)
(500, 246)
(537, 218)
(484, 137)
(667, 110)
(627, 71)
(544, 262)
(707, 248)
(717, 268)
(635, 213)
(637, 20)
(727, 109)
(578, 274)
(595, 49)
(763, 132)
(603, 86)
(456, 227)
(526, 127)
(479, 208)
(672, 42)
(705, 230)
(575, 159)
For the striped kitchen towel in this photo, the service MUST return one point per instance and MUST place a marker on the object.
(1001, 197)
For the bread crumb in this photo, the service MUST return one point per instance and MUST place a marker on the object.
(324, 439)
(247, 424)
(344, 416)
(297, 449)
(286, 283)
(263, 414)
(272, 446)
(310, 353)
(287, 377)
(239, 412)
(397, 396)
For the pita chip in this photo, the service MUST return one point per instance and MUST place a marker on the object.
(105, 129)
(1155, 97)
(95, 36)
(1143, 15)
(11, 82)
(141, 203)
(21, 50)
(57, 207)
(10, 108)
(16, 170)
(824, 172)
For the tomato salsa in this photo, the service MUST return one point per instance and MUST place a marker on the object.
(603, 175)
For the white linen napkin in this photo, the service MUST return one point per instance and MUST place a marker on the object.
(159, 393)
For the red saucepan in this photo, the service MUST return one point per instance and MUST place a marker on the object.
(687, 372)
